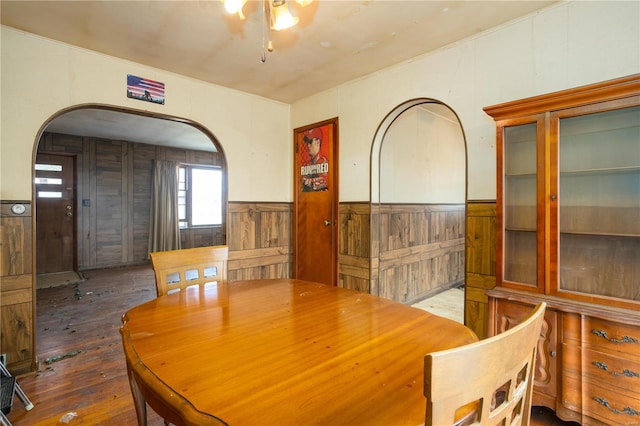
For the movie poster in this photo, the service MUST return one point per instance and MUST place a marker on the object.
(314, 165)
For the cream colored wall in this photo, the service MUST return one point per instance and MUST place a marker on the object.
(568, 45)
(572, 44)
(40, 77)
(422, 158)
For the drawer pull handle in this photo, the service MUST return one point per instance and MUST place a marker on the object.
(627, 410)
(603, 366)
(624, 339)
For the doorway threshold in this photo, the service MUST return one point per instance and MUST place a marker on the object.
(57, 279)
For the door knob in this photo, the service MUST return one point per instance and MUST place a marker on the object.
(327, 222)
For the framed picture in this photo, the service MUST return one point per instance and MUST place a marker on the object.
(313, 153)
(144, 89)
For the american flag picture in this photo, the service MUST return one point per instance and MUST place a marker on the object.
(145, 89)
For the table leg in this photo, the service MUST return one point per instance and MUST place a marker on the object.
(138, 399)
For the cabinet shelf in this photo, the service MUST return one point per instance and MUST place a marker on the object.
(599, 234)
(601, 170)
(570, 234)
(521, 175)
(516, 229)
(588, 233)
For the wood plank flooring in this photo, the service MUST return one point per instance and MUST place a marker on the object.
(82, 379)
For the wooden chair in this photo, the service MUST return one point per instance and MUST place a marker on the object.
(492, 379)
(175, 270)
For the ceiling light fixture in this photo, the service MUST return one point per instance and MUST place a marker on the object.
(282, 18)
(275, 16)
(235, 6)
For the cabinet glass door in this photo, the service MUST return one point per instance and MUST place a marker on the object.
(599, 203)
(520, 234)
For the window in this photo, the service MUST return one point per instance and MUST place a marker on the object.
(199, 196)
(49, 167)
(44, 173)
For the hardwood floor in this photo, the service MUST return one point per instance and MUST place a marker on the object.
(82, 378)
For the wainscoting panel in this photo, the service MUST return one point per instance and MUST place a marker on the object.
(259, 240)
(354, 246)
(403, 252)
(481, 263)
(17, 338)
(421, 250)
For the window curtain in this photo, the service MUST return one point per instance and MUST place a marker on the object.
(164, 229)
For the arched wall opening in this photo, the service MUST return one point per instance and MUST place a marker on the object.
(113, 149)
(418, 202)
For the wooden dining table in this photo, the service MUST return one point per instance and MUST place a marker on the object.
(284, 352)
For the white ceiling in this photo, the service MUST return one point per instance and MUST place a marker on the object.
(116, 125)
(334, 42)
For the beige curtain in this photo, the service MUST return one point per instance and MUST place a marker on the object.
(164, 230)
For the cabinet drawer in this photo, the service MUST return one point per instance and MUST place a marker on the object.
(611, 336)
(602, 368)
(600, 403)
(613, 370)
(607, 404)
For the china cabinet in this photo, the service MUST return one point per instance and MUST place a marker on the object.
(568, 233)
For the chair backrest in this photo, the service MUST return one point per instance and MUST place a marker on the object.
(176, 270)
(491, 379)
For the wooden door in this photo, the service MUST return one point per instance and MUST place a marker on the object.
(55, 213)
(315, 215)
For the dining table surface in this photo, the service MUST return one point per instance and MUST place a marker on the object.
(291, 352)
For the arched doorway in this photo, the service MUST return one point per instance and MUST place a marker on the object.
(110, 150)
(418, 196)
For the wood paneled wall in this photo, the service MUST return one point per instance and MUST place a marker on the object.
(260, 247)
(403, 252)
(17, 338)
(259, 240)
(354, 246)
(481, 263)
(114, 179)
(421, 250)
